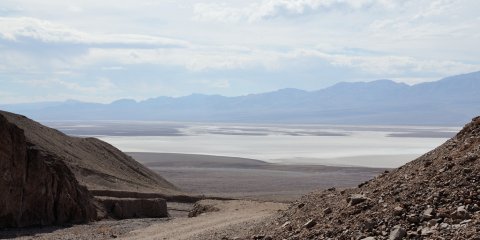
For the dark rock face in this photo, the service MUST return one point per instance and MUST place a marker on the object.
(123, 208)
(47, 177)
(37, 188)
(96, 164)
(13, 161)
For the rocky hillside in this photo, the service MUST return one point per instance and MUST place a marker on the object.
(436, 196)
(47, 177)
(37, 188)
(96, 164)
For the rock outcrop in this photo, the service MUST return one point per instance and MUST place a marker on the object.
(436, 196)
(47, 177)
(37, 188)
(122, 208)
(96, 164)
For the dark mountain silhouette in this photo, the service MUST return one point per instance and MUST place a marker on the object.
(450, 101)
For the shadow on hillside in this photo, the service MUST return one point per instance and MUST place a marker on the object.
(10, 233)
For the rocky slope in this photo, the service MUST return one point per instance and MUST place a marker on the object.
(436, 196)
(37, 188)
(47, 177)
(96, 164)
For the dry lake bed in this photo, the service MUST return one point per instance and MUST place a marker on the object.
(263, 161)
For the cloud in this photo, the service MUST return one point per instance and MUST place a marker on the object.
(17, 62)
(265, 45)
(218, 12)
(16, 28)
(436, 8)
(232, 58)
(214, 83)
(387, 65)
(429, 19)
(192, 59)
(100, 85)
(268, 9)
(75, 9)
(112, 68)
(5, 94)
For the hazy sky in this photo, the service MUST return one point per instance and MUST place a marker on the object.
(96, 50)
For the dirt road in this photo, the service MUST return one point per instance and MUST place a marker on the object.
(231, 215)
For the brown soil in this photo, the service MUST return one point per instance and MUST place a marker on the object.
(106, 229)
(233, 177)
(221, 218)
(436, 196)
(215, 224)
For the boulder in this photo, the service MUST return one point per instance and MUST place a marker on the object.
(124, 208)
(201, 208)
(355, 199)
(397, 233)
(311, 223)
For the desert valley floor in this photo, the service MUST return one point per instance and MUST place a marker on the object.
(222, 161)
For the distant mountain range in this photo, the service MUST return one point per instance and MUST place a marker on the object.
(449, 101)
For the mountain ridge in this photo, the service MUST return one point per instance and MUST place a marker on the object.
(376, 102)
